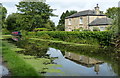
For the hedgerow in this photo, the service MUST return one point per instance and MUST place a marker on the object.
(103, 37)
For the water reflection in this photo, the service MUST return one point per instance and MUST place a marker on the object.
(79, 65)
(31, 48)
(75, 60)
(83, 60)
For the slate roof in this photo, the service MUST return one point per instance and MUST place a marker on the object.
(101, 21)
(85, 13)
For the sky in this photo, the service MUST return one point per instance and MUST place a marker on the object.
(63, 5)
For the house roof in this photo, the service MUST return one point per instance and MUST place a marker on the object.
(86, 13)
(101, 21)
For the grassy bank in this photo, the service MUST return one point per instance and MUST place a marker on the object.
(15, 63)
(86, 37)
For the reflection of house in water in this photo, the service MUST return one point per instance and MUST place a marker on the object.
(84, 60)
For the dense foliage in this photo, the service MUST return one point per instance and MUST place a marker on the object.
(31, 15)
(96, 29)
(3, 13)
(114, 13)
(61, 24)
(102, 38)
(12, 22)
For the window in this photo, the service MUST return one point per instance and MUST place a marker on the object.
(81, 21)
(69, 21)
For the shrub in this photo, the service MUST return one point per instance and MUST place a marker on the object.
(79, 29)
(5, 31)
(86, 30)
(96, 29)
(45, 36)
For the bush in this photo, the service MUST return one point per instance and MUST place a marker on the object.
(5, 31)
(79, 29)
(23, 32)
(96, 29)
(45, 36)
(86, 29)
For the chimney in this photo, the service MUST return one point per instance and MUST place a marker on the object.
(97, 10)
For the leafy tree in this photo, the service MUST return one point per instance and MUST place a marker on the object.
(50, 25)
(112, 12)
(3, 13)
(17, 22)
(11, 22)
(61, 24)
(33, 15)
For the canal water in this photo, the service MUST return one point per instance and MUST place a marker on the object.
(79, 65)
(74, 60)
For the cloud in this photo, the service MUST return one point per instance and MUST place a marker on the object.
(10, 1)
(10, 6)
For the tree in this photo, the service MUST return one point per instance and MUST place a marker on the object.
(3, 13)
(34, 14)
(11, 21)
(112, 12)
(50, 25)
(61, 24)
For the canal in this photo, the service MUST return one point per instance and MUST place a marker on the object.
(74, 60)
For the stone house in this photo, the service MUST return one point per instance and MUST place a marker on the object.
(87, 19)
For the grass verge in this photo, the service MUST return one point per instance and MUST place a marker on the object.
(15, 63)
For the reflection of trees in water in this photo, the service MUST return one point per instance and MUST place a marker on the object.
(63, 53)
(32, 48)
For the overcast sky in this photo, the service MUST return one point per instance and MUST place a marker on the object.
(63, 5)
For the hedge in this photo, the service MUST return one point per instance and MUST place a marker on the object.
(103, 37)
